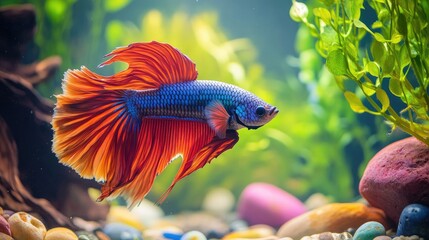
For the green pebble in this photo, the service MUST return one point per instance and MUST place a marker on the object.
(84, 235)
(369, 231)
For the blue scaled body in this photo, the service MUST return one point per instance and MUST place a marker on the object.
(188, 100)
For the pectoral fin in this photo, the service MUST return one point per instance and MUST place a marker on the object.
(217, 118)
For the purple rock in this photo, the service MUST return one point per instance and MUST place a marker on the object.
(397, 176)
(262, 203)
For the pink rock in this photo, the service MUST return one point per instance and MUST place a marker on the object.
(262, 203)
(397, 176)
(4, 226)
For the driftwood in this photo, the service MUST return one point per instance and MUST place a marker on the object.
(31, 179)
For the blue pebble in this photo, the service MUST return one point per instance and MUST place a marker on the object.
(369, 231)
(172, 235)
(414, 220)
(119, 231)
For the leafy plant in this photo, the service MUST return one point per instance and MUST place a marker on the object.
(393, 66)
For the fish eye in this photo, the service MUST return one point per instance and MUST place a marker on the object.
(260, 111)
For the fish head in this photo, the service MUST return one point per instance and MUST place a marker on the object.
(254, 114)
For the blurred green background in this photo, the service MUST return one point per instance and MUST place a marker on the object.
(315, 144)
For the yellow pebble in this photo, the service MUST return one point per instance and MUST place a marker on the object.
(123, 215)
(256, 231)
(60, 233)
(24, 226)
(4, 236)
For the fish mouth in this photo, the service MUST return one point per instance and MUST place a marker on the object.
(274, 111)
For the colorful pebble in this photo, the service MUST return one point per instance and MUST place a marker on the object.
(369, 230)
(121, 214)
(256, 231)
(172, 235)
(24, 226)
(5, 237)
(414, 237)
(60, 233)
(193, 235)
(335, 217)
(414, 220)
(262, 203)
(329, 236)
(119, 231)
(384, 237)
(4, 226)
(396, 177)
(85, 235)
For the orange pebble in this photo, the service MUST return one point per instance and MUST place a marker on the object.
(335, 217)
(60, 233)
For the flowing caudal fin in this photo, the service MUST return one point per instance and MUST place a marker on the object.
(95, 133)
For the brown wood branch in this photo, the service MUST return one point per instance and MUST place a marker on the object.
(31, 179)
(13, 194)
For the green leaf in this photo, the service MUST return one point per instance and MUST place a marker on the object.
(377, 24)
(379, 37)
(351, 50)
(383, 15)
(396, 38)
(383, 98)
(328, 2)
(404, 57)
(115, 5)
(402, 24)
(352, 8)
(337, 62)
(388, 65)
(340, 82)
(395, 87)
(355, 103)
(373, 69)
(322, 13)
(360, 24)
(378, 51)
(368, 88)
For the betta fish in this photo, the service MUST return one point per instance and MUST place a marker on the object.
(123, 130)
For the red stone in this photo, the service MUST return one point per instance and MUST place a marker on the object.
(397, 176)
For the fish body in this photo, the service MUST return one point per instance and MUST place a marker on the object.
(189, 101)
(124, 129)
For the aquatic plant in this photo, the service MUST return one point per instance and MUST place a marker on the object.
(386, 59)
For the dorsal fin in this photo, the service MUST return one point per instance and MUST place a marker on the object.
(150, 65)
